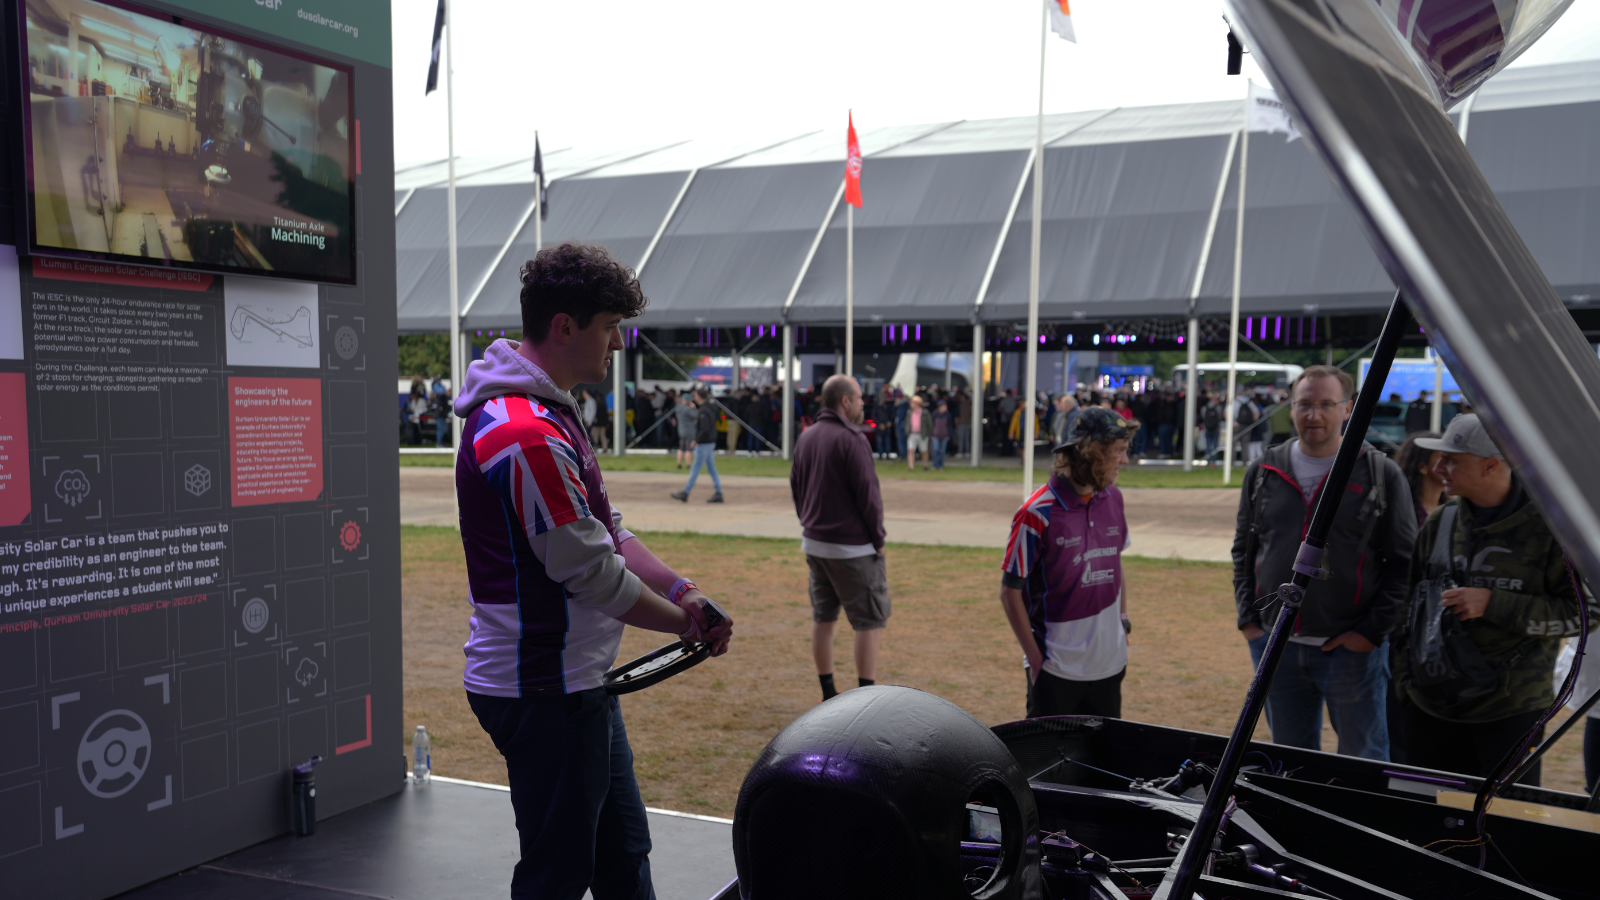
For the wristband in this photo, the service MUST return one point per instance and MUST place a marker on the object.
(679, 588)
(1127, 625)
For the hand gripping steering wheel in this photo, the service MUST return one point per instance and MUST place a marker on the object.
(661, 663)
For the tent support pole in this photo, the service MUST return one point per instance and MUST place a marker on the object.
(1233, 315)
(788, 390)
(975, 396)
(1192, 384)
(619, 402)
(1189, 398)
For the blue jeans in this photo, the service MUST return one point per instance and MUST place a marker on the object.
(705, 455)
(900, 434)
(1164, 438)
(580, 821)
(1140, 439)
(1213, 439)
(939, 445)
(1352, 684)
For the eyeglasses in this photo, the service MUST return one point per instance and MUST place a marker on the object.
(1323, 406)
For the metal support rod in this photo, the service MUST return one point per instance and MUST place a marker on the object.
(788, 390)
(619, 402)
(639, 438)
(1185, 873)
(1190, 386)
(1257, 348)
(1577, 716)
(975, 398)
(679, 369)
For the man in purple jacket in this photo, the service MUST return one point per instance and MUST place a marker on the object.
(553, 577)
(835, 488)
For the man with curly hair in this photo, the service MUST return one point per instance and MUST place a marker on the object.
(1061, 581)
(553, 577)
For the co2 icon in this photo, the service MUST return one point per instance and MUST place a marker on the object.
(114, 753)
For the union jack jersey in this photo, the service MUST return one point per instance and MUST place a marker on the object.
(1065, 554)
(525, 468)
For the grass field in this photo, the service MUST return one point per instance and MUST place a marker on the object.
(695, 735)
(955, 470)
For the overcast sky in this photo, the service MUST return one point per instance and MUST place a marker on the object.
(628, 72)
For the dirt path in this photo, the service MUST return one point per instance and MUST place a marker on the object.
(1185, 523)
(695, 736)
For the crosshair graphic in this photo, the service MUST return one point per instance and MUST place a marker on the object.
(255, 615)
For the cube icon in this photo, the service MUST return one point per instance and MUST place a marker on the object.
(197, 480)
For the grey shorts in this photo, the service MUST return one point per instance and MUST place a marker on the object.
(860, 585)
(686, 442)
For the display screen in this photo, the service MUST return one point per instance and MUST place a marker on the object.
(167, 143)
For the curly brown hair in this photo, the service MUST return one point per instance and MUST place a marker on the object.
(1088, 463)
(581, 280)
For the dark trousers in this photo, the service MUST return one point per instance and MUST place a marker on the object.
(1052, 696)
(580, 820)
(1464, 748)
(1164, 434)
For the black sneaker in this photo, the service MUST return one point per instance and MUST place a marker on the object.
(681, 496)
(714, 498)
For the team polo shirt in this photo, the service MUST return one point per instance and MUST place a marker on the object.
(1065, 554)
(525, 468)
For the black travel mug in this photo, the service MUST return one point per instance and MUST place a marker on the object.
(303, 798)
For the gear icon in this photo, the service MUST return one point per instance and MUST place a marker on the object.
(350, 536)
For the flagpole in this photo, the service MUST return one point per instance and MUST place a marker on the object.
(1233, 316)
(456, 362)
(1032, 379)
(849, 288)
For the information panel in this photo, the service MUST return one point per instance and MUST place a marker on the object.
(199, 548)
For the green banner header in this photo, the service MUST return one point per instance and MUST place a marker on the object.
(354, 28)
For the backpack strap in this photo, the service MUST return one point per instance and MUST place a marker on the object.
(1257, 489)
(1439, 559)
(1375, 504)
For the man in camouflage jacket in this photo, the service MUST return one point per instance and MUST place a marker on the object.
(1514, 598)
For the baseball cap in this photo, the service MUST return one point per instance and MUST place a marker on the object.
(1466, 434)
(1098, 424)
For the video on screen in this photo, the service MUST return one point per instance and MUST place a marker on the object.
(173, 145)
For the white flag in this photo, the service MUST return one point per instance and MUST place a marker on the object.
(1061, 19)
(1265, 112)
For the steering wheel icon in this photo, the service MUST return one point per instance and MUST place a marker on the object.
(114, 753)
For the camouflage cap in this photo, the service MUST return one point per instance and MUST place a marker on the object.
(1099, 424)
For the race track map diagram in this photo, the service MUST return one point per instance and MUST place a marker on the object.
(192, 594)
(271, 323)
(296, 328)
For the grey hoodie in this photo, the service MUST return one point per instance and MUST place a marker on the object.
(580, 554)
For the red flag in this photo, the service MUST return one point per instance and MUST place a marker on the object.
(852, 167)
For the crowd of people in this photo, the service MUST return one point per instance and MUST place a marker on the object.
(1430, 635)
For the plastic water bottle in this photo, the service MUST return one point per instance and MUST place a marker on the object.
(421, 756)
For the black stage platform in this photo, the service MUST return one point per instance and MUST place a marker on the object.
(445, 841)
